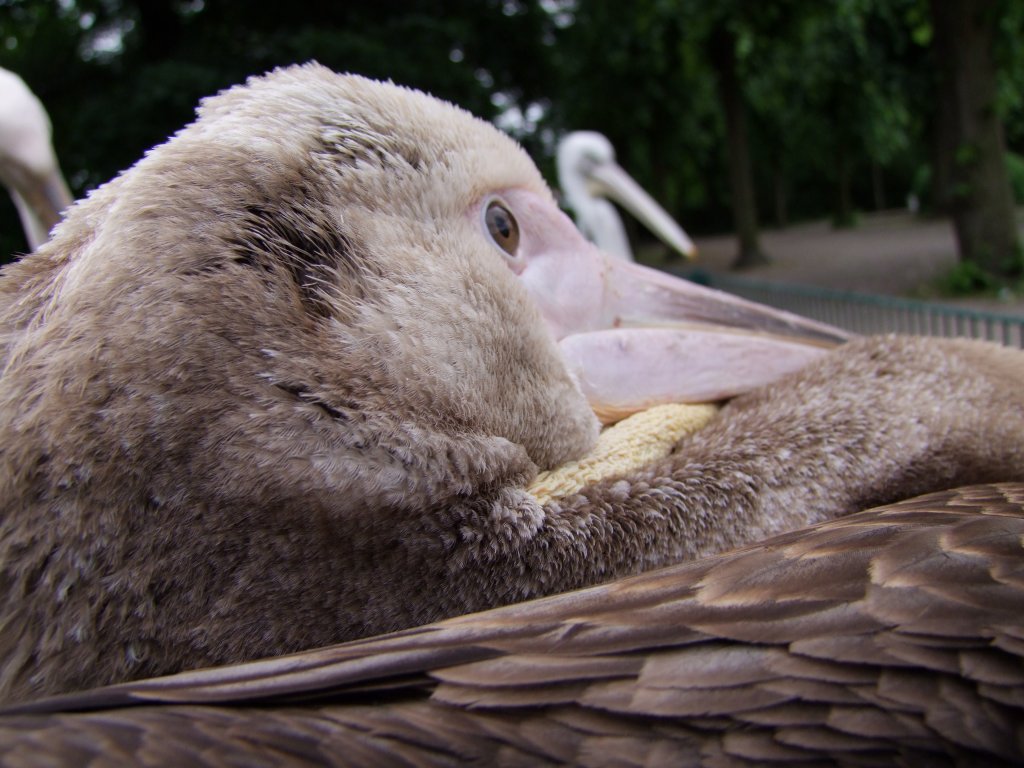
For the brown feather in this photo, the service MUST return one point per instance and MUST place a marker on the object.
(758, 702)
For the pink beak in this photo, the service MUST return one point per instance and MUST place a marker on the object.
(635, 337)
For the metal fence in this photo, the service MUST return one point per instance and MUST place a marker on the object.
(870, 313)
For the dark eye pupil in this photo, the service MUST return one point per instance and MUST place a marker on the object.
(502, 227)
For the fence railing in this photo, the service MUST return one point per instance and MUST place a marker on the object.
(870, 313)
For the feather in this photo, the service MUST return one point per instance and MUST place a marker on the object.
(697, 700)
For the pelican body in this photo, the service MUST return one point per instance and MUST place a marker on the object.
(285, 382)
(889, 637)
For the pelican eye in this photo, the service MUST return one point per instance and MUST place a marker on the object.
(502, 227)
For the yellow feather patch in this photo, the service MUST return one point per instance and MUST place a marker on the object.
(623, 448)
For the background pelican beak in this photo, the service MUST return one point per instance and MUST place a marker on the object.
(611, 181)
(41, 202)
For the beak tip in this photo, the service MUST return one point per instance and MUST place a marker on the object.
(688, 251)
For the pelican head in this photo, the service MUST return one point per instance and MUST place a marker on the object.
(28, 166)
(588, 173)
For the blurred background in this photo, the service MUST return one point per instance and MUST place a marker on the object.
(752, 119)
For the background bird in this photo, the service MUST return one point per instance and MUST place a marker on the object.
(587, 174)
(28, 165)
(288, 381)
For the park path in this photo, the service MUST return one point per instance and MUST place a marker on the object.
(893, 253)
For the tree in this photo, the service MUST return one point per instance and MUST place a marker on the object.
(722, 48)
(982, 201)
(713, 107)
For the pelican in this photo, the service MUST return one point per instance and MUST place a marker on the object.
(889, 637)
(588, 173)
(309, 373)
(28, 165)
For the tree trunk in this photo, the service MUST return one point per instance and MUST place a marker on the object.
(843, 216)
(741, 177)
(943, 150)
(982, 201)
(781, 197)
(877, 185)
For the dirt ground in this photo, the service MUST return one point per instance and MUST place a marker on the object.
(892, 253)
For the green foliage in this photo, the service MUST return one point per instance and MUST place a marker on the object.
(965, 154)
(966, 278)
(920, 183)
(845, 220)
(1009, 55)
(921, 180)
(1015, 166)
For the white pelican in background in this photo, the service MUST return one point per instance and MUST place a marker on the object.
(588, 173)
(28, 165)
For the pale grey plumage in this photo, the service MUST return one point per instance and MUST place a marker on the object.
(266, 392)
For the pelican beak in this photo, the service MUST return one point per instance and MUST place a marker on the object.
(634, 337)
(610, 180)
(46, 197)
(659, 339)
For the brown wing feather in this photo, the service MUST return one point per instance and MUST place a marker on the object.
(893, 634)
